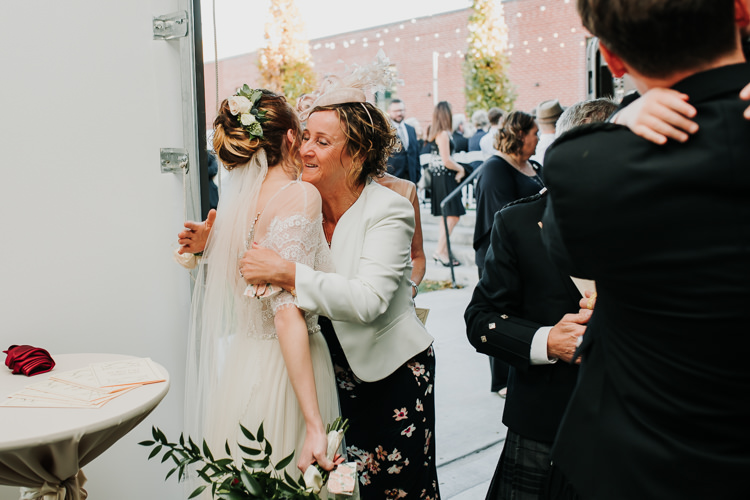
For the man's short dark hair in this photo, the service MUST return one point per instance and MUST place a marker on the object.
(660, 37)
(494, 115)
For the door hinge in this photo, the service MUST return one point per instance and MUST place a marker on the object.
(171, 26)
(173, 160)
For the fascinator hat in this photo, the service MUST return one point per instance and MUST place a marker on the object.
(352, 88)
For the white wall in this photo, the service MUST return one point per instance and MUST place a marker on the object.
(88, 221)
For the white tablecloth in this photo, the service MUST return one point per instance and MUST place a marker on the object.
(50, 445)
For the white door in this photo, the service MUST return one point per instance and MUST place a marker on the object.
(87, 100)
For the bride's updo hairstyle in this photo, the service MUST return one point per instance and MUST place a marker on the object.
(235, 146)
(510, 136)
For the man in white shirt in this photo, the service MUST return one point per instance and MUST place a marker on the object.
(487, 142)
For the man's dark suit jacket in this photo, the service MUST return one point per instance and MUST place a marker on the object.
(474, 140)
(661, 409)
(521, 291)
(460, 143)
(405, 163)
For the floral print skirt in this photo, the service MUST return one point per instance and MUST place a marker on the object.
(391, 432)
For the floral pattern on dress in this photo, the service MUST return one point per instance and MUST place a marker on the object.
(388, 419)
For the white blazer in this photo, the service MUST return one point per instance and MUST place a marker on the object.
(368, 298)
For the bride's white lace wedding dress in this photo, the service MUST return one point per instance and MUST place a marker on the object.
(236, 371)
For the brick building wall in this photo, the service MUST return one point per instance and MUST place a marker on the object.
(546, 52)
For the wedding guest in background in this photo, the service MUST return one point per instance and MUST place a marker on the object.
(506, 176)
(460, 142)
(481, 123)
(414, 122)
(672, 292)
(495, 116)
(383, 355)
(408, 190)
(446, 174)
(547, 113)
(404, 163)
(510, 316)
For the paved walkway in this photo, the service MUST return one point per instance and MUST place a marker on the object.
(469, 431)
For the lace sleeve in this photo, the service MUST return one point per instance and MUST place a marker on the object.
(296, 233)
(297, 239)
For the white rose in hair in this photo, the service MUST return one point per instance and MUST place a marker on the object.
(247, 119)
(239, 104)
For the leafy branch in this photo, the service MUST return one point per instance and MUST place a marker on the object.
(228, 481)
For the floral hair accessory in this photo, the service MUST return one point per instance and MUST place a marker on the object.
(243, 105)
(351, 88)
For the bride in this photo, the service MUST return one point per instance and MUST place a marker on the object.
(256, 359)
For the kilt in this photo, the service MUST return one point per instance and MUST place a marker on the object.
(522, 470)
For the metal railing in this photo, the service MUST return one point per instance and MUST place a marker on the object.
(456, 192)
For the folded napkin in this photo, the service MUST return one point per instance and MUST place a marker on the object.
(28, 360)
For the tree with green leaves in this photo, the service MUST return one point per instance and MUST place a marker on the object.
(486, 62)
(284, 62)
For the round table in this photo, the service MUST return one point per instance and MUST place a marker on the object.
(46, 447)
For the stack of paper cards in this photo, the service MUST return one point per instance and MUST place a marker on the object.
(89, 387)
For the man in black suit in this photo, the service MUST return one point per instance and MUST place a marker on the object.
(520, 295)
(460, 142)
(481, 123)
(405, 163)
(661, 408)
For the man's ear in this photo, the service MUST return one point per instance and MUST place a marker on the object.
(742, 13)
(616, 66)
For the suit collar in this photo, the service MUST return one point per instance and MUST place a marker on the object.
(709, 84)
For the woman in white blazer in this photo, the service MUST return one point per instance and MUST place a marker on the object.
(382, 353)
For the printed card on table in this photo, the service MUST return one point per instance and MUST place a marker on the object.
(127, 372)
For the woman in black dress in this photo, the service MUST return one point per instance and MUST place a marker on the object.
(506, 176)
(446, 175)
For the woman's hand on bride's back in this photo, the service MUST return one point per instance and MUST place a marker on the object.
(193, 238)
(257, 264)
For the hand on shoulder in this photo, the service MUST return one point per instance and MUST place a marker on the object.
(745, 96)
(662, 114)
(659, 115)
